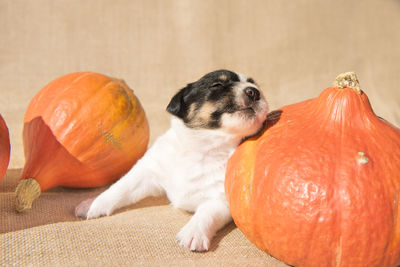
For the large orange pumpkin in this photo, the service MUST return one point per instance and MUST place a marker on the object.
(321, 186)
(81, 130)
(4, 147)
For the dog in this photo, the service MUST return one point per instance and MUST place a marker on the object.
(187, 163)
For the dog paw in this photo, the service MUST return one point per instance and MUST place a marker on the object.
(99, 207)
(82, 209)
(193, 238)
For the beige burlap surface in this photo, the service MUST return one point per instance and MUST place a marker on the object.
(293, 49)
(54, 205)
(142, 235)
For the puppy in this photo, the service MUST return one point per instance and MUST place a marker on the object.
(187, 164)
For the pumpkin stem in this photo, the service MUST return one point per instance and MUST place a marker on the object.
(348, 80)
(27, 191)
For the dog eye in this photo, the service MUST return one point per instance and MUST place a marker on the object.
(216, 85)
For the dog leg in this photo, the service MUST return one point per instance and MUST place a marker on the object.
(136, 185)
(207, 220)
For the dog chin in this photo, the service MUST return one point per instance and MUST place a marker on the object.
(244, 122)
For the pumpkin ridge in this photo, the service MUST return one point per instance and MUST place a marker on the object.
(110, 135)
(81, 76)
(43, 96)
(394, 233)
(319, 130)
(127, 113)
(79, 112)
(128, 101)
(115, 84)
(49, 88)
(126, 97)
(338, 187)
(61, 132)
(342, 104)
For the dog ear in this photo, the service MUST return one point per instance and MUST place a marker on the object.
(177, 104)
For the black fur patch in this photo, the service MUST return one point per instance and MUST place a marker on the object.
(215, 89)
(250, 80)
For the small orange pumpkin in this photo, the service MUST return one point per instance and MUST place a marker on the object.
(81, 130)
(321, 186)
(4, 147)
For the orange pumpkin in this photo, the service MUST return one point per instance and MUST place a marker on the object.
(4, 147)
(321, 186)
(81, 130)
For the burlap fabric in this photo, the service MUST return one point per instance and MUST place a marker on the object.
(141, 235)
(293, 49)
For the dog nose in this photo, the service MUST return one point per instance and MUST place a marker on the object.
(252, 93)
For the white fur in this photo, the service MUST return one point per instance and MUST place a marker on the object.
(188, 165)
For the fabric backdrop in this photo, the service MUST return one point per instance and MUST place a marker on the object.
(293, 49)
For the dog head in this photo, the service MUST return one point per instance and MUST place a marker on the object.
(221, 100)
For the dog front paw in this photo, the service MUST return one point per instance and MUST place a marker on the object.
(81, 211)
(93, 208)
(192, 237)
(99, 207)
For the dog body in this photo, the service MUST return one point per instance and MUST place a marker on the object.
(187, 163)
